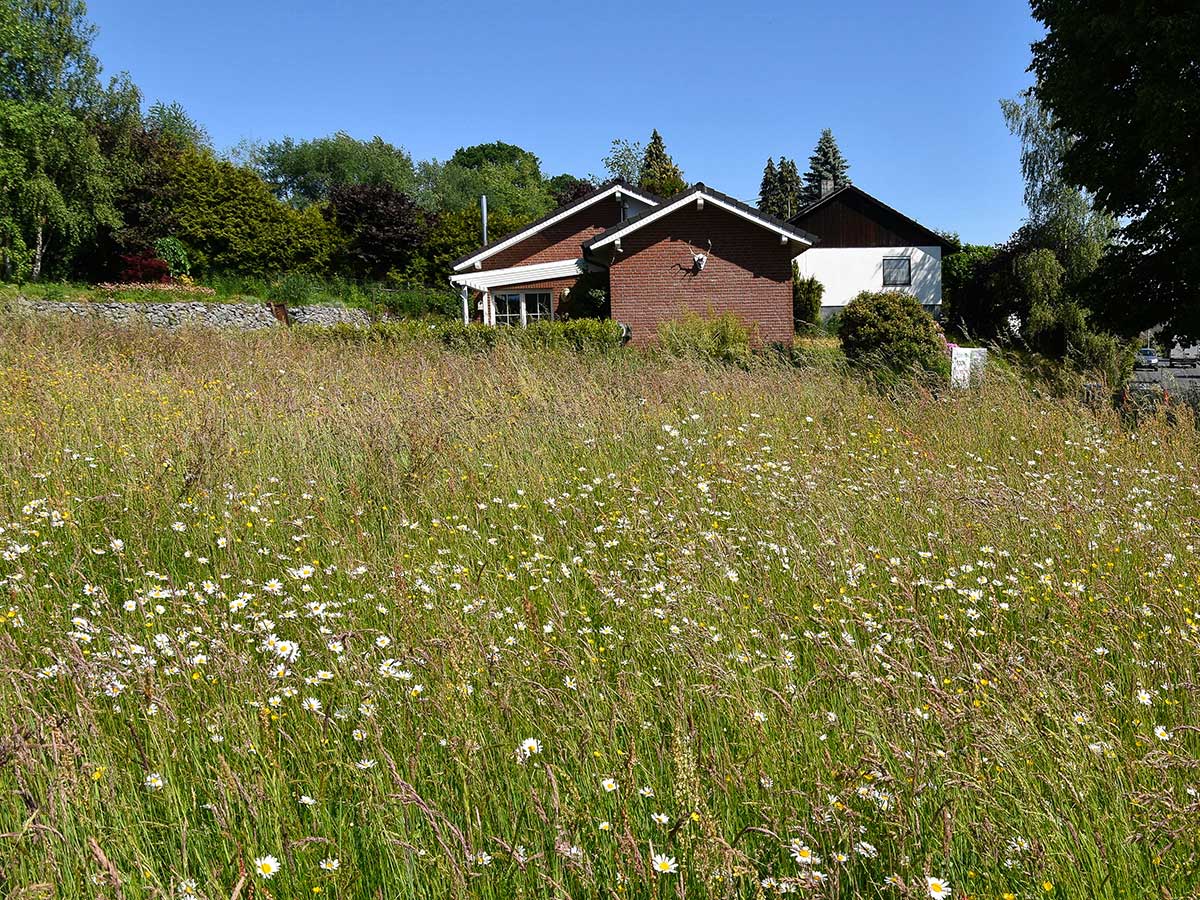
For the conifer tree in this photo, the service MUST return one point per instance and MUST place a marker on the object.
(791, 189)
(826, 165)
(659, 173)
(768, 191)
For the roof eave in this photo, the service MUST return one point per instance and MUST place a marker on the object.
(680, 200)
(608, 188)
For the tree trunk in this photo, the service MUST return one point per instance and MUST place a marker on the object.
(37, 255)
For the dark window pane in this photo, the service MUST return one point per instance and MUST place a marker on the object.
(897, 271)
(508, 309)
(537, 306)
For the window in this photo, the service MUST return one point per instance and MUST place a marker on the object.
(508, 309)
(897, 271)
(537, 306)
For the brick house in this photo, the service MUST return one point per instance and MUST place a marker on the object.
(699, 252)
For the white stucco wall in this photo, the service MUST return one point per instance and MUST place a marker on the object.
(847, 271)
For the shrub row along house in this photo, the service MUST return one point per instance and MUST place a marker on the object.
(644, 260)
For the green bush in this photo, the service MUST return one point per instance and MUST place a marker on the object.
(232, 224)
(415, 301)
(580, 335)
(889, 332)
(588, 297)
(721, 339)
(171, 251)
(471, 338)
(806, 300)
(294, 289)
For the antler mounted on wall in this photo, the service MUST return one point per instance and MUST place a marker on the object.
(699, 260)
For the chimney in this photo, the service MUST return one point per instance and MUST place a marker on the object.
(826, 186)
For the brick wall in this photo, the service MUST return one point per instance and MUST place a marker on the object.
(561, 240)
(748, 273)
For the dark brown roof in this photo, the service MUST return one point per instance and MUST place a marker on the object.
(534, 226)
(933, 237)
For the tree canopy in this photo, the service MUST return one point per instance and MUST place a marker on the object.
(1121, 79)
(55, 191)
(624, 160)
(47, 55)
(826, 167)
(172, 122)
(497, 153)
(569, 188)
(781, 189)
(304, 172)
(383, 227)
(659, 174)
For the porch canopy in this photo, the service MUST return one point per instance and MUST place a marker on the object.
(484, 281)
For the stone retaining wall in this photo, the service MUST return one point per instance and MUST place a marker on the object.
(328, 315)
(241, 316)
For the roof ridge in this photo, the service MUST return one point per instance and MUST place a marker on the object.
(697, 188)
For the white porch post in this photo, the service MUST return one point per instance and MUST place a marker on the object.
(465, 293)
(524, 315)
(489, 313)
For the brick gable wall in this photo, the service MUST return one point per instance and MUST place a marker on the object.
(748, 273)
(561, 240)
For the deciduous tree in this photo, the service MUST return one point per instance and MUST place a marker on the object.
(569, 188)
(1121, 79)
(624, 160)
(47, 53)
(55, 191)
(450, 236)
(382, 226)
(304, 172)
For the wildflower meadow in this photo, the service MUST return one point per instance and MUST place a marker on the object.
(284, 616)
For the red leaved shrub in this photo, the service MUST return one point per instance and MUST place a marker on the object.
(143, 268)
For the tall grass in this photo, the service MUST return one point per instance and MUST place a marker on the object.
(836, 643)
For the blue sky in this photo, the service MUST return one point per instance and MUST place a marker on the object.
(911, 90)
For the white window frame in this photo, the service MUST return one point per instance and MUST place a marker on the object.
(528, 310)
(883, 271)
(507, 316)
(521, 316)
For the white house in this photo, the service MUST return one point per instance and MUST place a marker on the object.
(865, 245)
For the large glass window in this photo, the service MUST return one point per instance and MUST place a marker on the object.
(537, 306)
(897, 271)
(508, 309)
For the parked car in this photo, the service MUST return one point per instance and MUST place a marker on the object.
(1147, 358)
